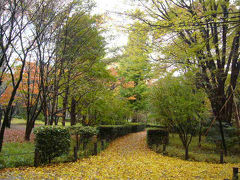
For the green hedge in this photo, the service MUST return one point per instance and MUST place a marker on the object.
(51, 142)
(83, 134)
(83, 131)
(111, 132)
(157, 136)
(137, 127)
(155, 126)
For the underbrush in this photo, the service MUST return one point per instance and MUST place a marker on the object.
(207, 152)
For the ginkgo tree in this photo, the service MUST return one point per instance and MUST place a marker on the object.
(135, 68)
(179, 106)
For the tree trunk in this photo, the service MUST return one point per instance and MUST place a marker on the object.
(1, 116)
(186, 153)
(8, 111)
(237, 121)
(28, 131)
(237, 115)
(200, 135)
(222, 136)
(84, 117)
(73, 112)
(220, 105)
(8, 125)
(56, 120)
(2, 133)
(65, 104)
(32, 116)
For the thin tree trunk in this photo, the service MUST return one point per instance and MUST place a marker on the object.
(200, 135)
(1, 115)
(84, 117)
(9, 107)
(65, 104)
(237, 115)
(186, 153)
(2, 134)
(31, 123)
(223, 137)
(219, 103)
(73, 112)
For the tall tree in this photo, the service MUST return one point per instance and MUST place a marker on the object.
(18, 40)
(81, 47)
(135, 67)
(179, 106)
(209, 34)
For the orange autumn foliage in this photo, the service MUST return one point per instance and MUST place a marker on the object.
(29, 84)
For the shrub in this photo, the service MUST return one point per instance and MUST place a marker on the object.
(111, 132)
(83, 131)
(137, 127)
(154, 126)
(157, 136)
(105, 132)
(51, 142)
(2, 163)
(231, 136)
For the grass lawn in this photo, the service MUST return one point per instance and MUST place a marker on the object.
(207, 152)
(22, 154)
(17, 121)
(17, 154)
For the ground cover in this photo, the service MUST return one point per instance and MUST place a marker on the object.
(18, 152)
(126, 158)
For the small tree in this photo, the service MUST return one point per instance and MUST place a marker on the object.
(179, 105)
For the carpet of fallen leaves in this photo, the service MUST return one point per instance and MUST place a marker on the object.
(15, 135)
(126, 158)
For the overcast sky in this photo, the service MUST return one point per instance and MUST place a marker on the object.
(115, 21)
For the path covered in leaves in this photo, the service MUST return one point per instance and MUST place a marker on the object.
(126, 158)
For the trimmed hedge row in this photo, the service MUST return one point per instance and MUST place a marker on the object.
(83, 134)
(51, 142)
(111, 132)
(157, 136)
(54, 141)
(83, 131)
(137, 127)
(155, 126)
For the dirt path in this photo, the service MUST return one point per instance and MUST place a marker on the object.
(126, 158)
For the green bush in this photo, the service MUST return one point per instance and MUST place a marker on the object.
(83, 134)
(83, 131)
(157, 136)
(2, 163)
(111, 132)
(137, 127)
(231, 135)
(154, 126)
(51, 142)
